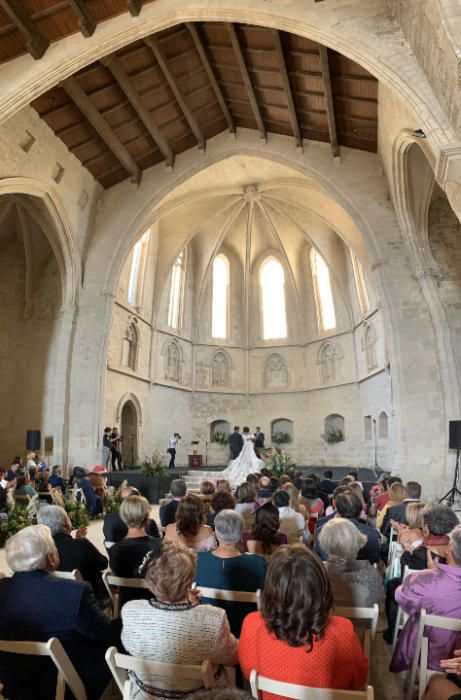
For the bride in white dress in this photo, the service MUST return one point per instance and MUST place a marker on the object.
(246, 463)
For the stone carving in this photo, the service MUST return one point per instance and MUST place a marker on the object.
(220, 369)
(369, 346)
(276, 373)
(251, 193)
(130, 346)
(328, 357)
(173, 362)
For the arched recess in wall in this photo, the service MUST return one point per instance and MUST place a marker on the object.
(282, 430)
(334, 428)
(220, 369)
(129, 421)
(219, 430)
(383, 426)
(38, 292)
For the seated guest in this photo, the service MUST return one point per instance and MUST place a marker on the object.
(397, 495)
(31, 461)
(295, 639)
(253, 480)
(246, 501)
(354, 583)
(56, 481)
(3, 490)
(23, 487)
(115, 529)
(178, 489)
(264, 491)
(43, 486)
(397, 513)
(438, 591)
(92, 501)
(410, 535)
(127, 555)
(37, 606)
(264, 537)
(76, 553)
(222, 500)
(355, 488)
(12, 471)
(293, 492)
(327, 485)
(98, 480)
(190, 528)
(172, 626)
(292, 524)
(224, 485)
(349, 506)
(311, 500)
(446, 688)
(227, 568)
(383, 498)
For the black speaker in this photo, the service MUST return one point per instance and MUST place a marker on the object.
(454, 435)
(33, 439)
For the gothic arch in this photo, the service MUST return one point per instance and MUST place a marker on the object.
(275, 371)
(173, 360)
(369, 345)
(130, 345)
(129, 396)
(220, 369)
(328, 358)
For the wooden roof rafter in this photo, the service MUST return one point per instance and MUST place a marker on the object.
(85, 19)
(287, 88)
(36, 43)
(323, 51)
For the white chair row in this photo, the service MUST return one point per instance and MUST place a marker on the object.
(401, 617)
(300, 692)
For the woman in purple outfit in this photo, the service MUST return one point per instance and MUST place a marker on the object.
(438, 590)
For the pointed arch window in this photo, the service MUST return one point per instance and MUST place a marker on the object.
(220, 297)
(360, 284)
(272, 282)
(176, 299)
(138, 262)
(326, 316)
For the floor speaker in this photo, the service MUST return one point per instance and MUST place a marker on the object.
(33, 440)
(454, 435)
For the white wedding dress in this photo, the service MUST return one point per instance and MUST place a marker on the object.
(246, 463)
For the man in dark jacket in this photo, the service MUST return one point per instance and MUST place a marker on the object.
(114, 528)
(235, 442)
(178, 489)
(398, 512)
(35, 606)
(75, 553)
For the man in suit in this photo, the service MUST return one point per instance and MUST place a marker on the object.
(398, 512)
(114, 528)
(35, 606)
(327, 485)
(349, 506)
(258, 440)
(235, 442)
(178, 489)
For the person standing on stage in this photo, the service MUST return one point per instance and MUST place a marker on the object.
(258, 440)
(235, 442)
(173, 442)
(115, 449)
(106, 445)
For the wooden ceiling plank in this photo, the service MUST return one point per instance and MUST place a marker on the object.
(36, 43)
(154, 45)
(246, 78)
(99, 124)
(194, 32)
(85, 19)
(323, 51)
(134, 7)
(287, 87)
(130, 92)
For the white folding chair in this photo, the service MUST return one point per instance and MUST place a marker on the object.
(368, 614)
(233, 596)
(422, 648)
(300, 692)
(67, 675)
(74, 575)
(401, 617)
(120, 664)
(114, 583)
(392, 544)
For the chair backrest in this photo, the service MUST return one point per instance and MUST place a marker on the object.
(22, 498)
(300, 692)
(114, 583)
(232, 596)
(66, 673)
(120, 664)
(422, 642)
(74, 575)
(368, 614)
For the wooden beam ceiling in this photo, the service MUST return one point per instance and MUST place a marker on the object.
(36, 43)
(323, 51)
(287, 87)
(134, 7)
(85, 19)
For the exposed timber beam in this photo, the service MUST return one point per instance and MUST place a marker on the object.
(36, 43)
(135, 7)
(246, 78)
(287, 87)
(134, 98)
(329, 100)
(194, 32)
(86, 21)
(99, 124)
(156, 49)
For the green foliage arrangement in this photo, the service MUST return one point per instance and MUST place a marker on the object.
(334, 435)
(110, 504)
(77, 513)
(154, 465)
(281, 438)
(279, 462)
(16, 519)
(221, 438)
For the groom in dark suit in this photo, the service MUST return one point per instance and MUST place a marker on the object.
(235, 442)
(258, 440)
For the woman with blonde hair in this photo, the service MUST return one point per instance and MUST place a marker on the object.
(190, 528)
(397, 494)
(294, 500)
(411, 536)
(173, 627)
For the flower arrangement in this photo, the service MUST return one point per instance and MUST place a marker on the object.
(14, 520)
(334, 435)
(279, 462)
(154, 465)
(221, 438)
(281, 438)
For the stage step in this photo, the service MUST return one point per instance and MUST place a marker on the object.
(194, 478)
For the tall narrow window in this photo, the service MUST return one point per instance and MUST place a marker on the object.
(323, 295)
(272, 281)
(175, 303)
(360, 284)
(138, 260)
(220, 294)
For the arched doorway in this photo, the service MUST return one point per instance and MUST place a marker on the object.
(129, 430)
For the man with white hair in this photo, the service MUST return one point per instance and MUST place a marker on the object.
(35, 606)
(75, 553)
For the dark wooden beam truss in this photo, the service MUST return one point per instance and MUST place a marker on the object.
(329, 100)
(134, 7)
(287, 87)
(85, 19)
(36, 43)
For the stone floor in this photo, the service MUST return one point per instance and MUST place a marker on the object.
(386, 685)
